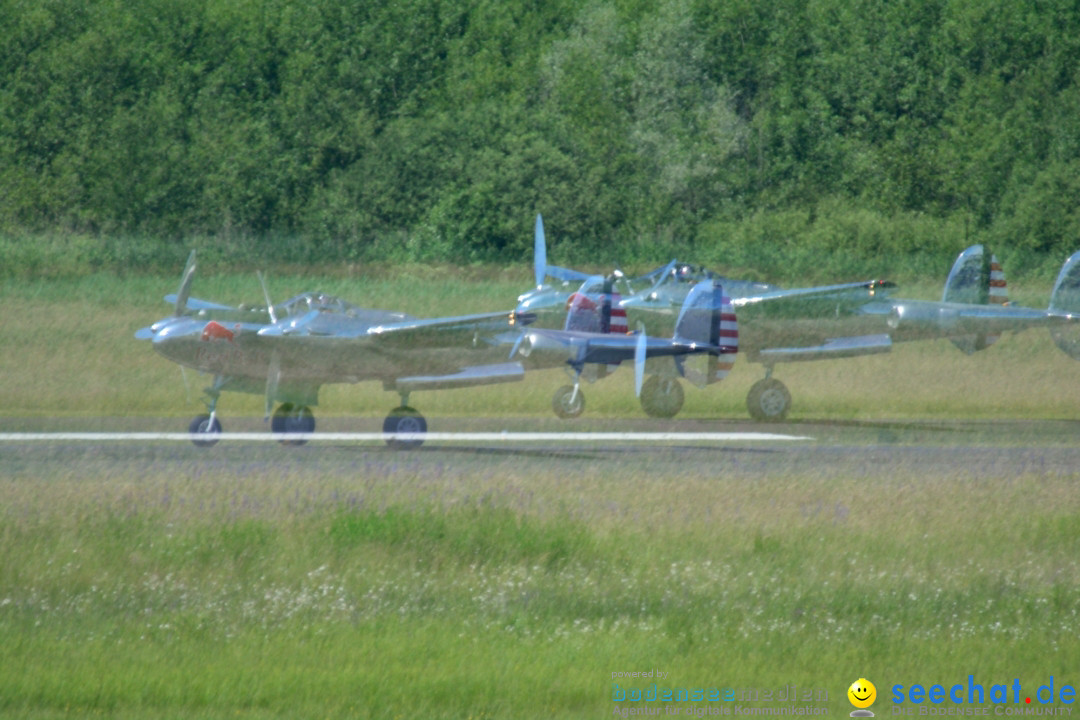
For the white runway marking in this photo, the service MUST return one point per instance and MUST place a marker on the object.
(382, 437)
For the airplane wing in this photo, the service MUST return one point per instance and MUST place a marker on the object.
(914, 319)
(399, 331)
(852, 294)
(884, 322)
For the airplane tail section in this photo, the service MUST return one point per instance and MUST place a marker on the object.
(708, 318)
(976, 280)
(1065, 300)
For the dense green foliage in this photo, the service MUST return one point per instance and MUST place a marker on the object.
(734, 131)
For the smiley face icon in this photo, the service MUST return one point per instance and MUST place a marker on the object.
(862, 693)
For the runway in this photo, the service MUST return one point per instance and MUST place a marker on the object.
(981, 451)
(467, 437)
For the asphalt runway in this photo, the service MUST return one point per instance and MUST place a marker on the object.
(976, 450)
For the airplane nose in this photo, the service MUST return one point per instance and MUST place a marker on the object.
(216, 331)
(524, 318)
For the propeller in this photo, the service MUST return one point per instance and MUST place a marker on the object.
(639, 360)
(184, 291)
(266, 295)
(273, 373)
(539, 253)
(273, 379)
(517, 344)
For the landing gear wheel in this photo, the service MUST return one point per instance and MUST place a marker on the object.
(205, 433)
(566, 405)
(289, 418)
(662, 397)
(404, 419)
(768, 401)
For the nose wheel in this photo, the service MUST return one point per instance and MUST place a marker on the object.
(568, 402)
(205, 430)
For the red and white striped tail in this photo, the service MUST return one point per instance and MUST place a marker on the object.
(727, 339)
(999, 289)
(586, 313)
(619, 325)
(999, 293)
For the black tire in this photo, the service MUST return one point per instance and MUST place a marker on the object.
(662, 397)
(768, 401)
(203, 433)
(289, 418)
(404, 420)
(566, 408)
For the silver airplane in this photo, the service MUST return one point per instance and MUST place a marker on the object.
(816, 323)
(287, 352)
(595, 336)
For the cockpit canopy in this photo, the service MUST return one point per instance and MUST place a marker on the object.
(306, 302)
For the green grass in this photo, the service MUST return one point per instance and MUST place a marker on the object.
(344, 583)
(417, 590)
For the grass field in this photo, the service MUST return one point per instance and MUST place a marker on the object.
(264, 582)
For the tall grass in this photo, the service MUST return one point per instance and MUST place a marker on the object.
(350, 585)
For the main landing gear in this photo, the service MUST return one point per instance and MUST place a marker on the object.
(768, 399)
(662, 397)
(404, 420)
(293, 419)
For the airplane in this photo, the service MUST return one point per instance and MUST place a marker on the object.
(287, 352)
(595, 334)
(816, 323)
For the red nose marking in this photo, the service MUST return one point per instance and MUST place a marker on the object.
(216, 331)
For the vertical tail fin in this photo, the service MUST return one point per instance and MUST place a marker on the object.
(539, 252)
(976, 280)
(1066, 300)
(708, 318)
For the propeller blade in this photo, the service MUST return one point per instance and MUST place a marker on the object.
(187, 384)
(517, 344)
(539, 253)
(273, 379)
(639, 360)
(266, 295)
(185, 285)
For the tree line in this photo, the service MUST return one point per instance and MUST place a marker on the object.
(803, 135)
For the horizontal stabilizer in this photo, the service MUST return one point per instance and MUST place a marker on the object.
(468, 377)
(833, 348)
